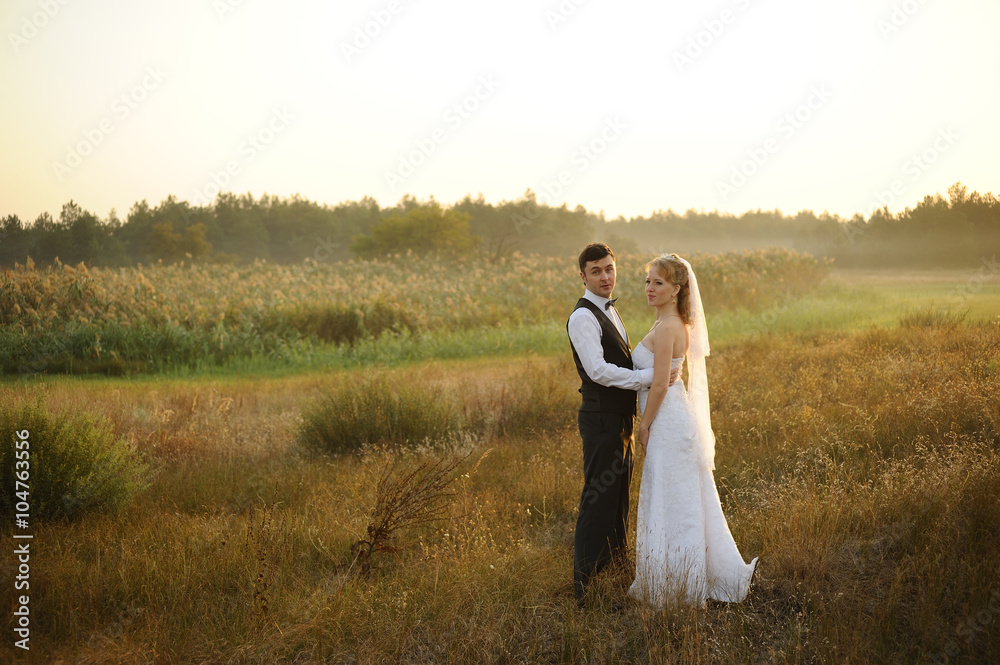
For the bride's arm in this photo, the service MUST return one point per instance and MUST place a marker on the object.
(663, 345)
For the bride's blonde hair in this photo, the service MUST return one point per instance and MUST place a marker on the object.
(674, 272)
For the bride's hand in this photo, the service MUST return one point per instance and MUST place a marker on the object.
(643, 437)
(674, 375)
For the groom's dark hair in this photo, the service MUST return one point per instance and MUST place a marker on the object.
(595, 251)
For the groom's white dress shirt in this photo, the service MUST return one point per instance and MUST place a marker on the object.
(585, 334)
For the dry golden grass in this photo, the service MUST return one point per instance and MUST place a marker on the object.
(862, 468)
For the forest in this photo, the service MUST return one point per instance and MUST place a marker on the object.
(941, 231)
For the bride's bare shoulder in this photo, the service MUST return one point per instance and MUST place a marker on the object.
(668, 330)
(672, 337)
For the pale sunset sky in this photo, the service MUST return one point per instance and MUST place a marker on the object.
(624, 107)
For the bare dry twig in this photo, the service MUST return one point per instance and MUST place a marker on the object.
(404, 499)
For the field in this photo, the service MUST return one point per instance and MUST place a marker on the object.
(858, 427)
(265, 316)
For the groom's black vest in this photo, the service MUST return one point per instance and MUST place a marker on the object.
(595, 396)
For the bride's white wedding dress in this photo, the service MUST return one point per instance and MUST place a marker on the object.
(684, 550)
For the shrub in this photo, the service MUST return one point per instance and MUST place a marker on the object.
(76, 464)
(328, 322)
(375, 411)
(539, 398)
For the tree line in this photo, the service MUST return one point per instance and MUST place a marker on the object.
(939, 231)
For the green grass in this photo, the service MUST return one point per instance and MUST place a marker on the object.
(399, 350)
(975, 290)
(389, 350)
(840, 305)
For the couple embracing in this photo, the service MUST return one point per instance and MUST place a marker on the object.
(684, 550)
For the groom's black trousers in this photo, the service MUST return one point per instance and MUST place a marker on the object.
(601, 527)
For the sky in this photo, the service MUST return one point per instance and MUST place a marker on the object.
(623, 107)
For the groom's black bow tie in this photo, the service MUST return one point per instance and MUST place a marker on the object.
(609, 304)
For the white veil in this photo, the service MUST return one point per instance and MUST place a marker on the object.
(697, 374)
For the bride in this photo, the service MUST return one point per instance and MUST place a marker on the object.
(684, 550)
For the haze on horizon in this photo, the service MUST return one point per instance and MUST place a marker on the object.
(625, 108)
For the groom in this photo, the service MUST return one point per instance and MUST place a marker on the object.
(603, 357)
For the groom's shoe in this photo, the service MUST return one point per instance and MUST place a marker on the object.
(614, 607)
